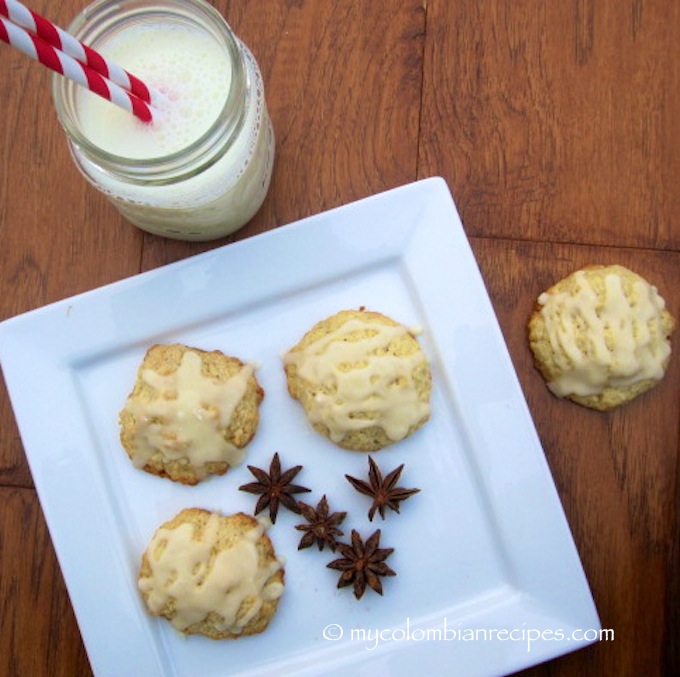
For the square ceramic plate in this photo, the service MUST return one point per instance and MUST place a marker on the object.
(488, 579)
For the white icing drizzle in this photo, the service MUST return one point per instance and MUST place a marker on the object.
(360, 384)
(614, 342)
(197, 578)
(185, 418)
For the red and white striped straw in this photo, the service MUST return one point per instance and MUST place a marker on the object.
(61, 52)
(22, 16)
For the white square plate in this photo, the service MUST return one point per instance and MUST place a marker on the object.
(488, 581)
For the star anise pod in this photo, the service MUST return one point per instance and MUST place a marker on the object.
(362, 564)
(321, 527)
(274, 488)
(383, 491)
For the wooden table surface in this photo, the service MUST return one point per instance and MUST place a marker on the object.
(555, 125)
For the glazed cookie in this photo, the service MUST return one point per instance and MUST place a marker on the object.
(362, 379)
(601, 336)
(212, 574)
(190, 414)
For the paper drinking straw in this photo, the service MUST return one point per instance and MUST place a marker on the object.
(22, 16)
(66, 65)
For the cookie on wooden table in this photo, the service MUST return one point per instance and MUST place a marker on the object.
(601, 336)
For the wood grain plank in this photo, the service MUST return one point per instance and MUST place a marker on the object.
(38, 631)
(671, 653)
(342, 82)
(58, 236)
(13, 466)
(556, 121)
(553, 123)
(615, 472)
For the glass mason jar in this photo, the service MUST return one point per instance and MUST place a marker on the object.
(215, 183)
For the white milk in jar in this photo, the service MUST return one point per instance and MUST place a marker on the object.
(202, 167)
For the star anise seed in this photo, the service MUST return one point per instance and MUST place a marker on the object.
(383, 491)
(362, 564)
(274, 488)
(321, 527)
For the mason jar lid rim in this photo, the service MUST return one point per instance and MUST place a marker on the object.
(108, 11)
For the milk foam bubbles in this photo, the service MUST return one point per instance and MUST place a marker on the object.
(201, 169)
(192, 73)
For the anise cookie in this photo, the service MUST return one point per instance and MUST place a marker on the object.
(212, 574)
(362, 379)
(601, 336)
(190, 414)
